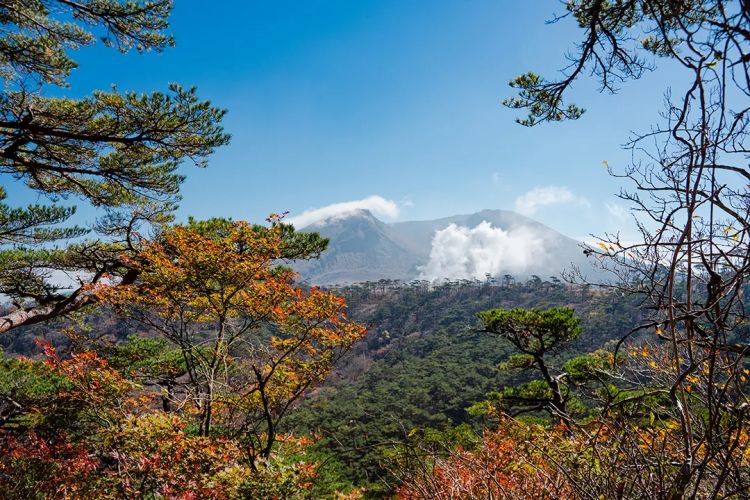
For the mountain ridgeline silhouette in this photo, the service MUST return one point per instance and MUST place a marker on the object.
(490, 242)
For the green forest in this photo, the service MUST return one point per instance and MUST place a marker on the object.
(189, 358)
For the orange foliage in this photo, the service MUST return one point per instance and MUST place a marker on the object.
(123, 448)
(505, 465)
(67, 467)
(253, 341)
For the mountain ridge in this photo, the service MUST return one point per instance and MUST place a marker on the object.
(364, 248)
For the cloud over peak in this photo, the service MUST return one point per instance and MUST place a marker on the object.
(375, 204)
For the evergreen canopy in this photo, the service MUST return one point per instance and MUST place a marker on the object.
(119, 151)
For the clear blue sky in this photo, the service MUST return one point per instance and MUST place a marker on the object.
(332, 101)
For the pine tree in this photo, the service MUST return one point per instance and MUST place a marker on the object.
(119, 151)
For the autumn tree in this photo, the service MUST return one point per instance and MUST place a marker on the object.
(252, 342)
(118, 151)
(82, 428)
(191, 408)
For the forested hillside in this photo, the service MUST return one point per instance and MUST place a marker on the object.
(424, 361)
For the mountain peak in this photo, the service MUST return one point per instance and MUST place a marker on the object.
(358, 213)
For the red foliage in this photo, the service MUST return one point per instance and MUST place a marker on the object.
(505, 465)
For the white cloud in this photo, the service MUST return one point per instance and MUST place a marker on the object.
(496, 177)
(460, 252)
(617, 211)
(375, 204)
(529, 202)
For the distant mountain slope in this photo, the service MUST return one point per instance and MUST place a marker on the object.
(363, 248)
(360, 249)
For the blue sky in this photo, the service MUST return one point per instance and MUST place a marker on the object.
(334, 101)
